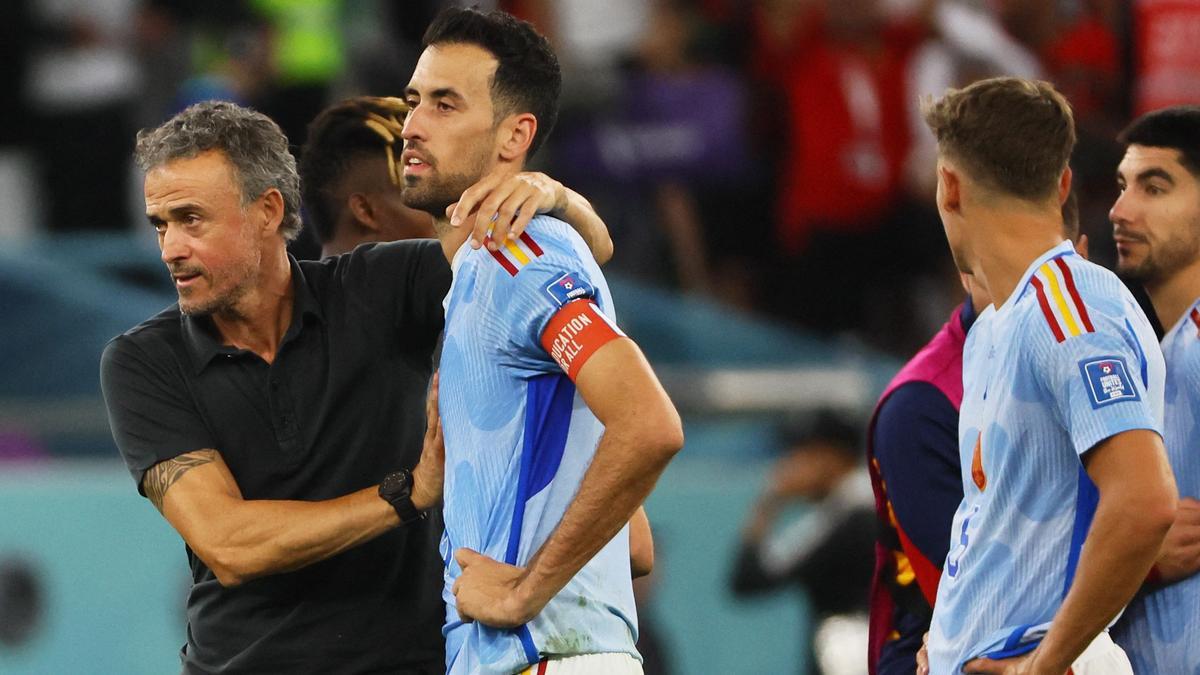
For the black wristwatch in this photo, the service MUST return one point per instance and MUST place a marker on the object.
(396, 489)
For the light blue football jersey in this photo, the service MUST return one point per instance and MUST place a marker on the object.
(518, 441)
(1066, 362)
(1160, 630)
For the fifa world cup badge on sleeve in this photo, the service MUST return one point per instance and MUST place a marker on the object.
(1108, 380)
(567, 287)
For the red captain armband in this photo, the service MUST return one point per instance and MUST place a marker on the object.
(575, 333)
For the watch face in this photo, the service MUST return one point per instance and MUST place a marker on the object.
(396, 489)
(395, 485)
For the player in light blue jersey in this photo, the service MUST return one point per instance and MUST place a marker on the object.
(1067, 491)
(1156, 226)
(556, 428)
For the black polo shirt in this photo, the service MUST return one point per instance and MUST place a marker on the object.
(341, 406)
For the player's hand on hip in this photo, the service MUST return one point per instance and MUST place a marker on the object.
(505, 203)
(1019, 665)
(490, 592)
(431, 468)
(1180, 555)
(923, 655)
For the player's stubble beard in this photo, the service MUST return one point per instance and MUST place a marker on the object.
(1165, 259)
(437, 191)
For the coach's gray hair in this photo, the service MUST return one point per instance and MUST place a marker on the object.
(253, 142)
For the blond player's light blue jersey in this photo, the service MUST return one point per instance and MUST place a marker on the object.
(518, 441)
(1161, 628)
(1066, 362)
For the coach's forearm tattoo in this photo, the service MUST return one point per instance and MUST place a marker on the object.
(163, 475)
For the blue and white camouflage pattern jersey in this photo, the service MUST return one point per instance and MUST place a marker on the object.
(1160, 630)
(518, 441)
(1066, 362)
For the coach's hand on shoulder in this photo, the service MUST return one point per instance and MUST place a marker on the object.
(430, 471)
(1180, 556)
(491, 592)
(506, 202)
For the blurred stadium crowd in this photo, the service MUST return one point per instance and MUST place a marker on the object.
(768, 154)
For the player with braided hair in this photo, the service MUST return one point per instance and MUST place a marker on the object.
(351, 178)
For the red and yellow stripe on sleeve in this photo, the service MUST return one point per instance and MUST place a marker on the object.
(514, 254)
(1059, 300)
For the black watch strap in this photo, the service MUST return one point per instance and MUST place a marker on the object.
(396, 489)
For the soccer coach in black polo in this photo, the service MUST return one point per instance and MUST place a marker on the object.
(274, 415)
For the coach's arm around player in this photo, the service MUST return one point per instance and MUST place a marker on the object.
(642, 432)
(243, 539)
(1137, 501)
(501, 204)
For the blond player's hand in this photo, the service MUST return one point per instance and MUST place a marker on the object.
(923, 655)
(505, 203)
(1180, 556)
(490, 592)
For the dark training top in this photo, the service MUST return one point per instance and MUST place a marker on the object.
(340, 407)
(913, 441)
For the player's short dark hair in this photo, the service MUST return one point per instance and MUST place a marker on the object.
(343, 134)
(527, 79)
(1177, 128)
(1012, 135)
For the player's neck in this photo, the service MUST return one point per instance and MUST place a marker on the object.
(260, 318)
(1173, 295)
(452, 238)
(1008, 245)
